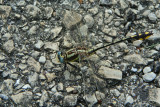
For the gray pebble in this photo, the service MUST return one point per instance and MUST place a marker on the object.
(117, 23)
(48, 64)
(21, 3)
(136, 58)
(44, 98)
(115, 92)
(5, 11)
(33, 79)
(33, 11)
(32, 30)
(55, 31)
(14, 76)
(17, 82)
(48, 12)
(105, 2)
(89, 20)
(6, 73)
(60, 86)
(91, 99)
(158, 47)
(110, 73)
(158, 13)
(137, 42)
(4, 97)
(146, 12)
(71, 19)
(7, 36)
(84, 30)
(93, 10)
(22, 97)
(9, 46)
(152, 17)
(70, 100)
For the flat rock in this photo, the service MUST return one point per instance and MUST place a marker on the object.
(152, 17)
(33, 79)
(123, 4)
(71, 18)
(51, 46)
(91, 99)
(5, 11)
(39, 44)
(48, 64)
(50, 76)
(44, 98)
(105, 2)
(2, 57)
(60, 86)
(89, 20)
(110, 32)
(154, 96)
(33, 11)
(70, 100)
(99, 95)
(8, 46)
(4, 97)
(135, 58)
(34, 64)
(27, 86)
(109, 73)
(48, 12)
(84, 30)
(22, 98)
(55, 31)
(7, 86)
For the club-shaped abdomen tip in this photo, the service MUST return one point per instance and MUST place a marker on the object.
(60, 57)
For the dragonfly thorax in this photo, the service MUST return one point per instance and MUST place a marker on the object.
(74, 55)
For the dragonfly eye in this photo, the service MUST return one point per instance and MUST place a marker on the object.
(60, 57)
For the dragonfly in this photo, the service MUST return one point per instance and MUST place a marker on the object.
(80, 53)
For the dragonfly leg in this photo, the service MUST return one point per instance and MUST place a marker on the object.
(74, 66)
(65, 66)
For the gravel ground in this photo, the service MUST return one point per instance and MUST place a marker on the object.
(122, 75)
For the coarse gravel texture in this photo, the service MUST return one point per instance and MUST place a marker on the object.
(122, 75)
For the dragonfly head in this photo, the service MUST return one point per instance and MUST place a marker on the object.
(60, 57)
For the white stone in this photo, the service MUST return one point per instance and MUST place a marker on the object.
(129, 100)
(148, 77)
(42, 59)
(136, 59)
(146, 70)
(152, 17)
(39, 44)
(27, 86)
(110, 73)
